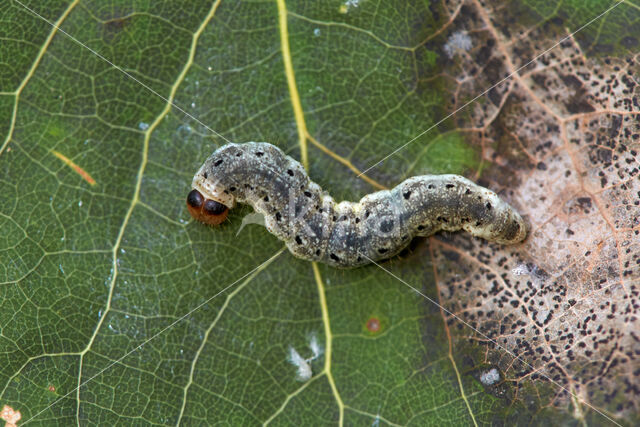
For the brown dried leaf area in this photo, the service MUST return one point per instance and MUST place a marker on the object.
(561, 140)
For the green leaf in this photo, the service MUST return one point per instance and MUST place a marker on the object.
(117, 308)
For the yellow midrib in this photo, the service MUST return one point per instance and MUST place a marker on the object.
(329, 340)
(298, 113)
(303, 135)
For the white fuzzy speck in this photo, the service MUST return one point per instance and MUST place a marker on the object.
(490, 377)
(457, 41)
(315, 347)
(193, 105)
(316, 32)
(352, 3)
(304, 365)
(184, 128)
(143, 126)
(521, 270)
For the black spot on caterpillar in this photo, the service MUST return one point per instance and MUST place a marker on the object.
(346, 234)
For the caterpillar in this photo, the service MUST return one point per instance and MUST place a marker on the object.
(346, 234)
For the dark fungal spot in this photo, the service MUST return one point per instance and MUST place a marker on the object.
(318, 252)
(290, 172)
(265, 198)
(239, 154)
(467, 191)
(334, 257)
(357, 220)
(488, 205)
(218, 162)
(406, 195)
(307, 193)
(298, 240)
(259, 153)
(442, 219)
(430, 187)
(421, 227)
(383, 250)
(232, 188)
(584, 202)
(449, 186)
(205, 175)
(278, 216)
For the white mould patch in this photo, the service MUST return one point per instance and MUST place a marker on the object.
(304, 368)
(457, 42)
(490, 377)
(304, 365)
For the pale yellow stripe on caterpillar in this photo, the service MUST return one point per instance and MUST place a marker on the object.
(346, 234)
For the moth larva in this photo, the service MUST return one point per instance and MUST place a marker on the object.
(346, 234)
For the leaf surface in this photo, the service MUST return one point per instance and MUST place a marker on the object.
(117, 308)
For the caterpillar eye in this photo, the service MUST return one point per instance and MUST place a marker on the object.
(211, 207)
(204, 210)
(195, 199)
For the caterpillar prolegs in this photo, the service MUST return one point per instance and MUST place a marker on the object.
(346, 234)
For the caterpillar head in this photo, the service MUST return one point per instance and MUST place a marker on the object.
(208, 202)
